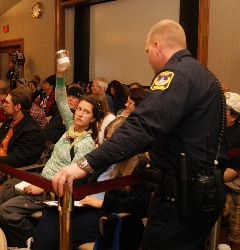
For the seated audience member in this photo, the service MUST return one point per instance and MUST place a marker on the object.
(99, 84)
(20, 81)
(71, 147)
(135, 97)
(21, 138)
(85, 220)
(118, 94)
(108, 115)
(231, 175)
(35, 92)
(47, 97)
(73, 96)
(55, 127)
(4, 90)
(135, 85)
(89, 88)
(37, 114)
(37, 79)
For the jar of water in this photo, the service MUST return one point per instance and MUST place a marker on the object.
(62, 59)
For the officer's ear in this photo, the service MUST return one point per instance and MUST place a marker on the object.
(159, 46)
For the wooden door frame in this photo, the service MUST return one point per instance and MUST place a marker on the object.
(12, 43)
(203, 31)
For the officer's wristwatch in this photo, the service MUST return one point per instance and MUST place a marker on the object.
(83, 164)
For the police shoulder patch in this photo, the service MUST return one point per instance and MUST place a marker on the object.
(162, 81)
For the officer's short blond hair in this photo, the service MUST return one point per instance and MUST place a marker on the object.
(170, 32)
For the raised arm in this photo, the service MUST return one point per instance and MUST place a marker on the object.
(61, 99)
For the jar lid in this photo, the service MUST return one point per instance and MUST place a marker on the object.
(60, 52)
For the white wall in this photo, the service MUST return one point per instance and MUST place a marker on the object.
(118, 35)
(224, 37)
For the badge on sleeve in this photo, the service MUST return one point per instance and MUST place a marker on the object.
(162, 81)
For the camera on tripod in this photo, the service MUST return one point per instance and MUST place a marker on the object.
(18, 58)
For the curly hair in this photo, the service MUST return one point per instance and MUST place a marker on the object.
(128, 166)
(101, 97)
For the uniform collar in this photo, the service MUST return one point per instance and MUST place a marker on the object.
(178, 55)
(175, 57)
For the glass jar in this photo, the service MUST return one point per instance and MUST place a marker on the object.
(62, 59)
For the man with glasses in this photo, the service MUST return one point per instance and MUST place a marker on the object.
(21, 138)
(100, 85)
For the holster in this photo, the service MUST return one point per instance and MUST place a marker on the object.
(163, 184)
(154, 179)
(169, 187)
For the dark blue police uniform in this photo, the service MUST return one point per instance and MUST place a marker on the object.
(181, 113)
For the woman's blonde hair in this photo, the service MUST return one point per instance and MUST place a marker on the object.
(127, 166)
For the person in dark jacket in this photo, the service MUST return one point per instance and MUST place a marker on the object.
(118, 94)
(21, 138)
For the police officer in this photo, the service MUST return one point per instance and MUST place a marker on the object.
(181, 113)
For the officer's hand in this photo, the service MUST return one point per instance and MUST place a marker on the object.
(67, 174)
